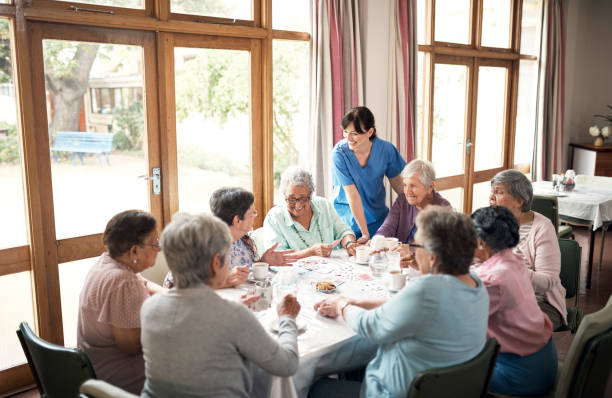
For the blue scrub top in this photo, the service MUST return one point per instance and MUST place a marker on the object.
(385, 160)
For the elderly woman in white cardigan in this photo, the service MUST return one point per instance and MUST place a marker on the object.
(194, 342)
(538, 243)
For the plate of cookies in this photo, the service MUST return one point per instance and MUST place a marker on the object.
(325, 287)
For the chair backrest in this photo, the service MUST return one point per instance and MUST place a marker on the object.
(258, 237)
(589, 358)
(594, 181)
(468, 379)
(548, 207)
(59, 370)
(571, 253)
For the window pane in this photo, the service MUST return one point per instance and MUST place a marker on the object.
(72, 276)
(12, 205)
(531, 27)
(15, 307)
(290, 107)
(480, 194)
(490, 117)
(213, 128)
(447, 148)
(420, 96)
(238, 9)
(526, 112)
(421, 22)
(454, 196)
(114, 3)
(496, 23)
(291, 15)
(90, 185)
(453, 21)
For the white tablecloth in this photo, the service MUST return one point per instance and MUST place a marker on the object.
(322, 335)
(585, 203)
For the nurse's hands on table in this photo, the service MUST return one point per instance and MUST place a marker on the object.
(237, 276)
(280, 257)
(289, 306)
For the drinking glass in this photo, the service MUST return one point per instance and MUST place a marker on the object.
(393, 259)
(378, 264)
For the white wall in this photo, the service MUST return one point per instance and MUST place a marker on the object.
(588, 66)
(374, 15)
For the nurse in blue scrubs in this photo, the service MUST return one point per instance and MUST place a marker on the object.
(360, 163)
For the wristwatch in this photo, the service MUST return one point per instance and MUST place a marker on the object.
(348, 243)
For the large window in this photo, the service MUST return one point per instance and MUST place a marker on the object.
(477, 92)
(107, 105)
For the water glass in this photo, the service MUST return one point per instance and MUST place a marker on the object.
(393, 259)
(378, 264)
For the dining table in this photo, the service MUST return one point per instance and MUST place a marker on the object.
(586, 205)
(321, 340)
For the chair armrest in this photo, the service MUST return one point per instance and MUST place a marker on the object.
(100, 389)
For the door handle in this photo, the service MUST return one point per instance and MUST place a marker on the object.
(468, 147)
(156, 178)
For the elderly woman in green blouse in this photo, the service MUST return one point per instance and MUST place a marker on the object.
(306, 223)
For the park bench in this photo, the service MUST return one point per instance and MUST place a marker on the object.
(79, 143)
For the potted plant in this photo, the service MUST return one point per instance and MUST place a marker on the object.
(602, 134)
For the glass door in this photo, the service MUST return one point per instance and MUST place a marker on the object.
(103, 143)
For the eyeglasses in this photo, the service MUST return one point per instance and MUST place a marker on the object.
(415, 245)
(352, 134)
(157, 245)
(293, 201)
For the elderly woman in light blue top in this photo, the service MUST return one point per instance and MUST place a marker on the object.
(305, 223)
(439, 319)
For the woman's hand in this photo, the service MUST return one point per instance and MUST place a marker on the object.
(351, 248)
(153, 288)
(407, 259)
(289, 306)
(237, 276)
(322, 250)
(281, 257)
(364, 239)
(331, 307)
(249, 300)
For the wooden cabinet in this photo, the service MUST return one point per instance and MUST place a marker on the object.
(592, 160)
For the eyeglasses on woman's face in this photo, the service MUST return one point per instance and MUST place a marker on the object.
(292, 201)
(415, 245)
(350, 134)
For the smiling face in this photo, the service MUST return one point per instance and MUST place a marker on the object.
(297, 198)
(355, 140)
(415, 191)
(500, 196)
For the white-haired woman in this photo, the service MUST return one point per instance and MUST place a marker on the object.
(418, 177)
(194, 342)
(306, 223)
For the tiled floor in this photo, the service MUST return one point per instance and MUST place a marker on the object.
(589, 301)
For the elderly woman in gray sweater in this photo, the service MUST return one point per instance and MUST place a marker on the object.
(196, 344)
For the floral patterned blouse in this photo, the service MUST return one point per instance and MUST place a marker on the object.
(243, 252)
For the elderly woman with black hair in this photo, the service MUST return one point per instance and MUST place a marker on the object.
(236, 207)
(108, 328)
(538, 244)
(438, 319)
(195, 343)
(527, 363)
(306, 223)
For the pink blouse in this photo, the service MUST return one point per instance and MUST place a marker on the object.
(515, 319)
(112, 295)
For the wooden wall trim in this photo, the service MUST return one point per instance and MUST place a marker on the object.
(16, 379)
(290, 35)
(73, 249)
(15, 259)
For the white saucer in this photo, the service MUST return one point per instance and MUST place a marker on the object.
(354, 259)
(301, 324)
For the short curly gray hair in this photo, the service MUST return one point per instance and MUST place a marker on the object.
(190, 242)
(423, 169)
(519, 186)
(296, 176)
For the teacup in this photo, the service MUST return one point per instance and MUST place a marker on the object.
(391, 242)
(397, 280)
(260, 270)
(362, 254)
(378, 243)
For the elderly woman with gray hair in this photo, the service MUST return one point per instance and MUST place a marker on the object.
(538, 244)
(306, 223)
(194, 342)
(418, 178)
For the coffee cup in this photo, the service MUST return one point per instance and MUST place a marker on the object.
(391, 242)
(397, 280)
(378, 243)
(362, 255)
(260, 270)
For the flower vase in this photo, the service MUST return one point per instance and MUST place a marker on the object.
(598, 141)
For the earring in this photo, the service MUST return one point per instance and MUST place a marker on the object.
(134, 261)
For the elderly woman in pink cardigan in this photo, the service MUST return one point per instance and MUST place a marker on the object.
(538, 244)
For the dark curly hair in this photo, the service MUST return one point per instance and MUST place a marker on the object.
(126, 229)
(228, 202)
(497, 227)
(450, 236)
(362, 119)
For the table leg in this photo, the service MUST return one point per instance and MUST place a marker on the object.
(590, 269)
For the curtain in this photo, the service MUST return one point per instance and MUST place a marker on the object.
(336, 81)
(401, 101)
(550, 141)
